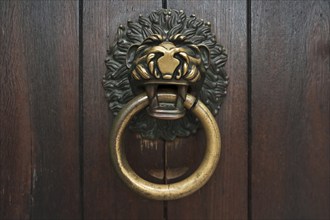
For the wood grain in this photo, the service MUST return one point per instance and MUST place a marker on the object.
(290, 109)
(225, 195)
(39, 116)
(15, 130)
(52, 45)
(105, 196)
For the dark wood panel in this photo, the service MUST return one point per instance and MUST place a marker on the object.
(51, 42)
(290, 110)
(39, 116)
(105, 195)
(15, 128)
(225, 195)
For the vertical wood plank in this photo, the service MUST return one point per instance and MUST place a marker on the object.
(105, 195)
(290, 109)
(225, 195)
(15, 130)
(51, 42)
(39, 116)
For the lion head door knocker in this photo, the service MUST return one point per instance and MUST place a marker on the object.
(164, 78)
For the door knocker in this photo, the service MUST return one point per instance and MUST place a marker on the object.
(164, 78)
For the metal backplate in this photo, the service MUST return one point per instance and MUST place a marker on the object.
(165, 51)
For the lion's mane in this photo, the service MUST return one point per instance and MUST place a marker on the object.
(165, 22)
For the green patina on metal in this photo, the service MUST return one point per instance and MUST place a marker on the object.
(166, 50)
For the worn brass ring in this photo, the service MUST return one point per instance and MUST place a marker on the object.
(165, 191)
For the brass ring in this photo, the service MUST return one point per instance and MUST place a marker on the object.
(165, 191)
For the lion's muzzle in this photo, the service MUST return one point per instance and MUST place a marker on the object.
(166, 110)
(168, 66)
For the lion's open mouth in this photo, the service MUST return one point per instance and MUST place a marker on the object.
(166, 110)
(170, 65)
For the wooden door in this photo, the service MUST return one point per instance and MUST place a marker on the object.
(275, 121)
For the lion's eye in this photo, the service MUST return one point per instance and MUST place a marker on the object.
(150, 57)
(182, 55)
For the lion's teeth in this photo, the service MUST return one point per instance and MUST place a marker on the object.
(151, 93)
(179, 103)
(153, 103)
(182, 91)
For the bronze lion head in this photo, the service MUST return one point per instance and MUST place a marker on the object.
(166, 51)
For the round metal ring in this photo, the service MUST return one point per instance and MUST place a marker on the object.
(165, 191)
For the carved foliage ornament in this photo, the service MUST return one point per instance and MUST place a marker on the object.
(165, 51)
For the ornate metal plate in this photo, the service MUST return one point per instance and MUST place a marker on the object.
(165, 51)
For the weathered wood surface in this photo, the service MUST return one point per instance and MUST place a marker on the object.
(225, 195)
(50, 168)
(39, 110)
(105, 195)
(290, 110)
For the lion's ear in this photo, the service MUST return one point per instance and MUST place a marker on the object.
(205, 55)
(131, 55)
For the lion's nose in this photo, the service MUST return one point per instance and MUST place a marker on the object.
(167, 65)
